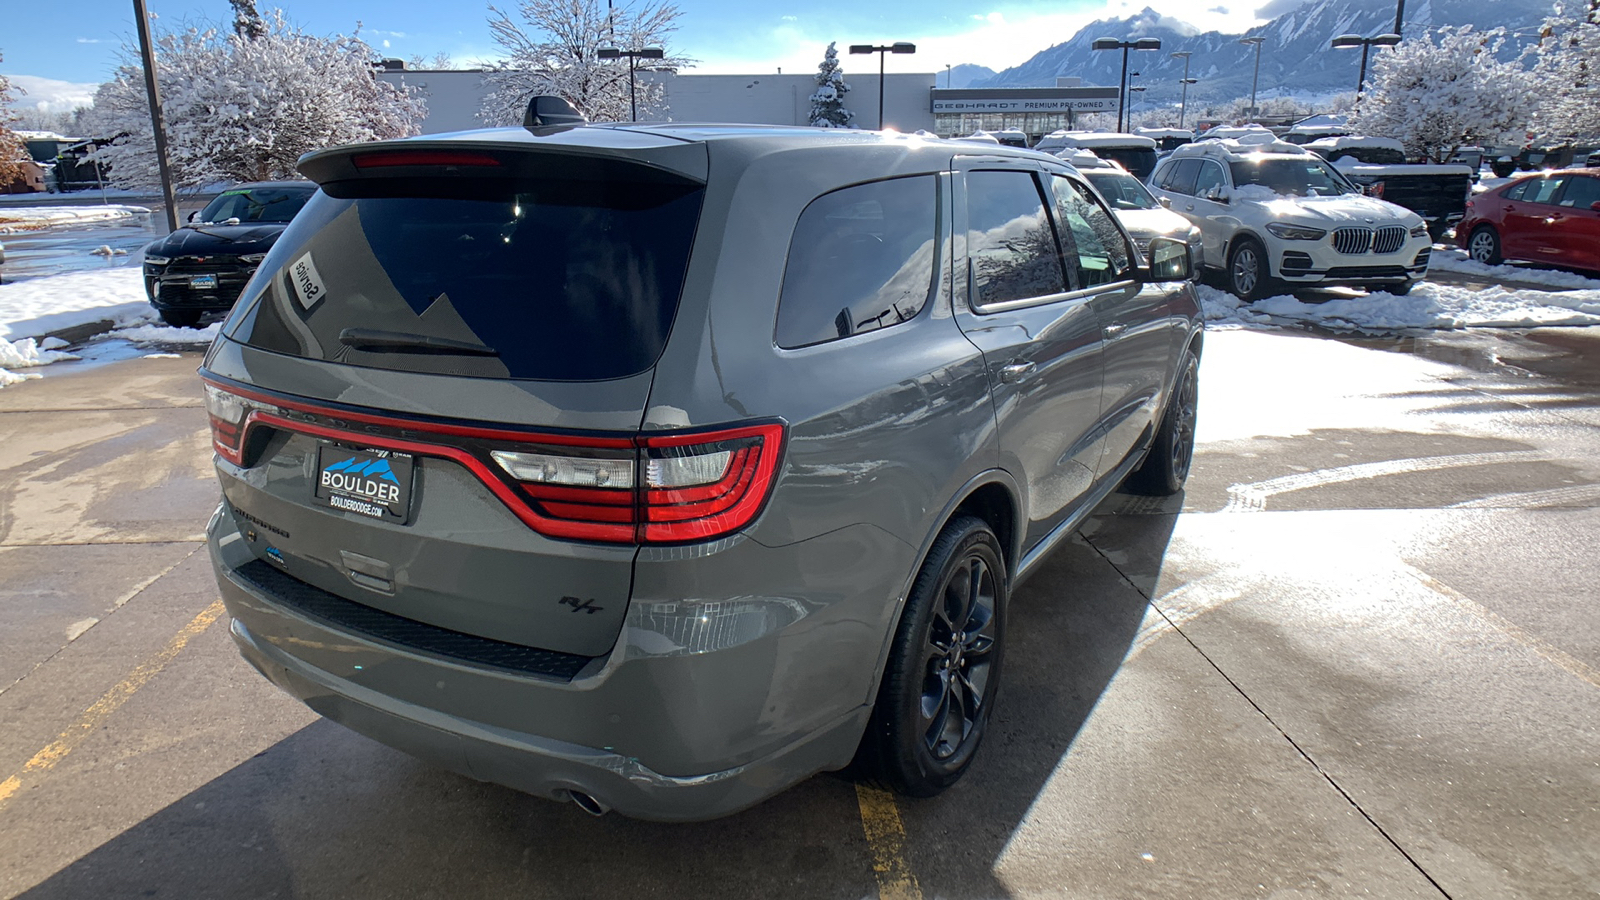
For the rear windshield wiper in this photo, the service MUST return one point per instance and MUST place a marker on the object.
(400, 341)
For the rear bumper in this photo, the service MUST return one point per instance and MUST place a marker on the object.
(650, 731)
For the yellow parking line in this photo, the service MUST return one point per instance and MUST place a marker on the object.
(46, 759)
(886, 837)
(1551, 654)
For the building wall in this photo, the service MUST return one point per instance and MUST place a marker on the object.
(453, 98)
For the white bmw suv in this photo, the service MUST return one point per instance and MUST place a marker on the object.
(1273, 216)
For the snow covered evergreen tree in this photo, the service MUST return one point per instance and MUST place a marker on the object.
(1567, 63)
(11, 150)
(827, 101)
(241, 108)
(247, 21)
(552, 51)
(1438, 96)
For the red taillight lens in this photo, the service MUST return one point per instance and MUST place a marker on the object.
(647, 488)
(391, 158)
(704, 485)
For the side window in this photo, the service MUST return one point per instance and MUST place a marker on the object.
(1516, 191)
(1011, 248)
(861, 258)
(1581, 193)
(1210, 177)
(1096, 250)
(1180, 178)
(1543, 190)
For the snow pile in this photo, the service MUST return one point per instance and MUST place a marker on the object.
(1450, 260)
(1428, 306)
(27, 353)
(40, 306)
(15, 220)
(162, 334)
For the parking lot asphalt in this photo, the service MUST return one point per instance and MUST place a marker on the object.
(1357, 657)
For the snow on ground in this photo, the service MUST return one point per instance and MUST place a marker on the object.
(27, 353)
(1428, 306)
(40, 306)
(162, 334)
(1449, 259)
(15, 220)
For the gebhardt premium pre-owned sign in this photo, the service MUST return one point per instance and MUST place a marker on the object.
(1021, 100)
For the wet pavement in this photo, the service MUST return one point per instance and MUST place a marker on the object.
(70, 248)
(1357, 657)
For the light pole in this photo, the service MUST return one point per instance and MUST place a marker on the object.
(147, 58)
(896, 47)
(947, 76)
(1183, 104)
(1399, 16)
(641, 53)
(1366, 44)
(1258, 41)
(1107, 43)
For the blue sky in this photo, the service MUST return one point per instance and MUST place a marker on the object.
(58, 52)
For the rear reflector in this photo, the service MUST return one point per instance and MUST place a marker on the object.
(389, 158)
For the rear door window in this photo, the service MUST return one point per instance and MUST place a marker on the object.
(862, 258)
(552, 280)
(1011, 247)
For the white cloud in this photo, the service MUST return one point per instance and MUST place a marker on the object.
(92, 40)
(51, 95)
(385, 43)
(993, 40)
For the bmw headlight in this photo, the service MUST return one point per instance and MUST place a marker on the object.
(1419, 231)
(1296, 232)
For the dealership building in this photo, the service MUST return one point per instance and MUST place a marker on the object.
(911, 102)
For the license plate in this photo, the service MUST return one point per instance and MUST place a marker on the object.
(373, 483)
(203, 281)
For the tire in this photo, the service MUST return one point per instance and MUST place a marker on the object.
(1484, 246)
(938, 694)
(180, 318)
(1248, 275)
(1166, 466)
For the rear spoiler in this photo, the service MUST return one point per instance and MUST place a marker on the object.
(570, 154)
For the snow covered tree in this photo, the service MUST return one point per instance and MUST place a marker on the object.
(247, 21)
(240, 108)
(1567, 62)
(827, 101)
(1438, 96)
(553, 51)
(11, 150)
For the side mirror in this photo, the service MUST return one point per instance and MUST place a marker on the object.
(1169, 260)
(1166, 202)
(194, 215)
(1595, 206)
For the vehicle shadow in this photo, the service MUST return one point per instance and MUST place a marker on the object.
(326, 813)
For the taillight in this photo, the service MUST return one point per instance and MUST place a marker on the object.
(652, 488)
(383, 159)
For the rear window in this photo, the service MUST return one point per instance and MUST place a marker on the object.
(548, 280)
(262, 204)
(1141, 161)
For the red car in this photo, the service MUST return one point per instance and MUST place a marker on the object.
(1552, 217)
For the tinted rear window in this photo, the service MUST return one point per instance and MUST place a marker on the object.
(562, 280)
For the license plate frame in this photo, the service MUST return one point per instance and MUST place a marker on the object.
(203, 282)
(376, 484)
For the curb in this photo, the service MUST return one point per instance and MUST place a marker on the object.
(74, 334)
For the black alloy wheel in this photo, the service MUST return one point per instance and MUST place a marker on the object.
(939, 687)
(1166, 466)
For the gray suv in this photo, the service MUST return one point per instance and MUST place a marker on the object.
(659, 467)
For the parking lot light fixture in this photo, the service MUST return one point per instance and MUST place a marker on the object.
(1255, 81)
(1345, 41)
(896, 47)
(1109, 43)
(632, 55)
(1183, 102)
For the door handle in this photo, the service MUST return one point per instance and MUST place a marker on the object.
(1112, 331)
(1189, 208)
(1015, 372)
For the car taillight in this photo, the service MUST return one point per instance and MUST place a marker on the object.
(655, 488)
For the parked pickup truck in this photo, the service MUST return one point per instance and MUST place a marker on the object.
(1378, 166)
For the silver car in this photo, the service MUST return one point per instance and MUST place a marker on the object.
(659, 467)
